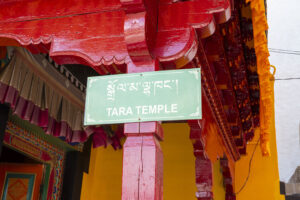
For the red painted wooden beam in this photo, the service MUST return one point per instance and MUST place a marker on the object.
(106, 32)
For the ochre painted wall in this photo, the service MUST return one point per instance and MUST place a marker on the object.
(218, 186)
(104, 181)
(179, 163)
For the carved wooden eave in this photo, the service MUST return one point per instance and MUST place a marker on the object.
(117, 32)
(216, 105)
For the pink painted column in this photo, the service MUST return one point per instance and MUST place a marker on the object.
(142, 156)
(142, 162)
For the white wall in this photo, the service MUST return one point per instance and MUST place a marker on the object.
(284, 33)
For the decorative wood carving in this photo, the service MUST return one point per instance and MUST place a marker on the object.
(86, 32)
(216, 56)
(247, 41)
(213, 97)
(238, 68)
(97, 32)
(140, 28)
(178, 31)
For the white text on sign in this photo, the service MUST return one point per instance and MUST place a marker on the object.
(145, 110)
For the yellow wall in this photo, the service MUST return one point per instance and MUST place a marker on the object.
(104, 180)
(179, 163)
(263, 182)
(218, 186)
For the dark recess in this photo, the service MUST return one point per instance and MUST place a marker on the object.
(4, 111)
(75, 164)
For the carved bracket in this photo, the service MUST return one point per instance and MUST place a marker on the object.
(140, 25)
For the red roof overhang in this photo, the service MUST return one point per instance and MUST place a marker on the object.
(104, 32)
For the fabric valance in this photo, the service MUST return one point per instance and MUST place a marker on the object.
(44, 100)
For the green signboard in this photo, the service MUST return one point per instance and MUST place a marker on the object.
(139, 97)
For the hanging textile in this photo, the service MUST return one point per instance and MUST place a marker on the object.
(32, 96)
(266, 79)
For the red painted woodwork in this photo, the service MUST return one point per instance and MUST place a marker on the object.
(177, 23)
(236, 61)
(146, 66)
(123, 32)
(204, 179)
(206, 151)
(207, 132)
(142, 162)
(20, 186)
(133, 129)
(227, 180)
(105, 32)
(208, 146)
(203, 165)
(214, 100)
(216, 56)
(142, 156)
(87, 32)
(140, 27)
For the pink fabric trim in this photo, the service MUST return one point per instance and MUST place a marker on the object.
(27, 110)
(35, 115)
(11, 96)
(99, 137)
(43, 118)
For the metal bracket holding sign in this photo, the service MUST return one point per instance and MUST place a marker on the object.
(150, 96)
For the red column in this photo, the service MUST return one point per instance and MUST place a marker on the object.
(227, 179)
(203, 166)
(142, 162)
(142, 156)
